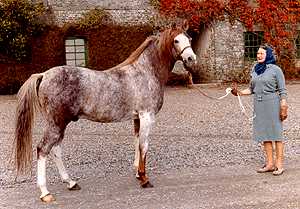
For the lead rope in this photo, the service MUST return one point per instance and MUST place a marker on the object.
(228, 91)
(243, 109)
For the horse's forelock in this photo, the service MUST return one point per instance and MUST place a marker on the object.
(166, 41)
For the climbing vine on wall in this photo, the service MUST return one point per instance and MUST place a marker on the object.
(94, 19)
(20, 20)
(277, 18)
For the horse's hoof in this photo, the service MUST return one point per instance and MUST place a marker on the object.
(75, 187)
(146, 185)
(48, 198)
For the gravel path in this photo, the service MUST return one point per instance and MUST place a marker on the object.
(192, 136)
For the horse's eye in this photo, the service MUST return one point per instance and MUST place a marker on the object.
(176, 41)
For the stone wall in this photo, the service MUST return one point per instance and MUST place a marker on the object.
(123, 11)
(229, 49)
(205, 51)
(220, 49)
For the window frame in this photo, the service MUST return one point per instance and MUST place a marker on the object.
(252, 41)
(74, 50)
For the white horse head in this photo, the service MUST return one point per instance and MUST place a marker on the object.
(183, 49)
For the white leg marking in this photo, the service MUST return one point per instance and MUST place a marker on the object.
(57, 157)
(137, 152)
(146, 121)
(41, 176)
(137, 155)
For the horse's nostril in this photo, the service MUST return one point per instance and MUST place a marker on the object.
(190, 59)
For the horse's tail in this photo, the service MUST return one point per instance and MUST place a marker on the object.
(27, 104)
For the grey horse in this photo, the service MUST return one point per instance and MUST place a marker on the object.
(132, 90)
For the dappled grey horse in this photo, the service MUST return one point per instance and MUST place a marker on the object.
(132, 90)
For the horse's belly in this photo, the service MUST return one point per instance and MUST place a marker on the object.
(108, 116)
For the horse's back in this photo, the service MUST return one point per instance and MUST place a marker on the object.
(75, 92)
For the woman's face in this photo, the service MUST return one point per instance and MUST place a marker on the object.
(261, 55)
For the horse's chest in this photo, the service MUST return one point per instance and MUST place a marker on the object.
(152, 100)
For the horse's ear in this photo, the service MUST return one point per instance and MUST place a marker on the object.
(185, 25)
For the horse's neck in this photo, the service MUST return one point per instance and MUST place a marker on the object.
(161, 62)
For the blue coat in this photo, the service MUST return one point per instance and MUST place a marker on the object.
(268, 89)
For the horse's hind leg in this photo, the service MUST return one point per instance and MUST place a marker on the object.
(41, 179)
(53, 135)
(56, 155)
(146, 121)
(137, 146)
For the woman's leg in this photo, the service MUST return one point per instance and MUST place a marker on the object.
(269, 167)
(269, 154)
(279, 154)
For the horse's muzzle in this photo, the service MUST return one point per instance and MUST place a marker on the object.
(190, 61)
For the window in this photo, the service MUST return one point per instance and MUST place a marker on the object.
(298, 46)
(75, 52)
(252, 42)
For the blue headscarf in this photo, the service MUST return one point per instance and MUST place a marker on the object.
(270, 59)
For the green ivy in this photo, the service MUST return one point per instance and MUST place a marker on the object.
(20, 20)
(155, 3)
(94, 19)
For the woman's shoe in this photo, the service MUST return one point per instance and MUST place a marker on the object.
(278, 171)
(265, 169)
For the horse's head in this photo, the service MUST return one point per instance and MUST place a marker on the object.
(182, 49)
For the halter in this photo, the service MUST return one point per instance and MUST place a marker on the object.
(184, 49)
(178, 56)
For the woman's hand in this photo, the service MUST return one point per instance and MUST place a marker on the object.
(283, 110)
(234, 90)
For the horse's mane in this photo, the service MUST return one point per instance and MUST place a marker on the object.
(163, 40)
(134, 55)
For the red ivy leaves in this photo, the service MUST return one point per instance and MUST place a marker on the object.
(242, 11)
(204, 12)
(278, 23)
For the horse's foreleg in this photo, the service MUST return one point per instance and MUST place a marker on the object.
(146, 121)
(137, 146)
(56, 154)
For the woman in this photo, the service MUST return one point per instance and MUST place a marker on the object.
(270, 107)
